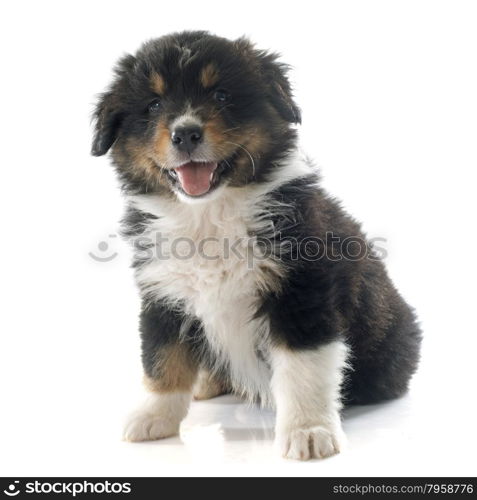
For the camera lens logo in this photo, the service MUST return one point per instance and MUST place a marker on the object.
(103, 255)
(12, 490)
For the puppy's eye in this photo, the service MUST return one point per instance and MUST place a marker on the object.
(154, 106)
(221, 95)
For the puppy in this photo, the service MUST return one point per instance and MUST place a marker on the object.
(252, 278)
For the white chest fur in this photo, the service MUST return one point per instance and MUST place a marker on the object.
(207, 262)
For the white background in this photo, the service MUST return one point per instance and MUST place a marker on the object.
(389, 97)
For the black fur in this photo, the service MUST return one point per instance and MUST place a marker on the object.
(160, 326)
(351, 296)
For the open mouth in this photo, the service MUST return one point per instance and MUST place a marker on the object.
(196, 178)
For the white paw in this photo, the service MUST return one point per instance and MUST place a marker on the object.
(159, 417)
(308, 443)
(148, 427)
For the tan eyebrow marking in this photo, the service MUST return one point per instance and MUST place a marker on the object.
(209, 75)
(157, 83)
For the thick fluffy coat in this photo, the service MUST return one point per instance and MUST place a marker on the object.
(250, 274)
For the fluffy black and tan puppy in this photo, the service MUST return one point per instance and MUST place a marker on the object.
(251, 276)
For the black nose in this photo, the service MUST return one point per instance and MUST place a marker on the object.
(187, 138)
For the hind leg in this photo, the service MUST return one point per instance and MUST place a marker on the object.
(209, 385)
(383, 369)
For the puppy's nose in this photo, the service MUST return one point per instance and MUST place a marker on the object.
(187, 138)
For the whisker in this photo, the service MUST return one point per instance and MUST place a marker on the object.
(249, 155)
(229, 129)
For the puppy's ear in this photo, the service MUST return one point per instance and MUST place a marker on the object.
(274, 74)
(280, 92)
(107, 119)
(109, 112)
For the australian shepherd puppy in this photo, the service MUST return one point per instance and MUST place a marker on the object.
(253, 280)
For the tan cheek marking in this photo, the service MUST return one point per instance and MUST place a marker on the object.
(224, 142)
(213, 131)
(256, 141)
(141, 162)
(162, 141)
(209, 75)
(254, 138)
(175, 370)
(157, 83)
(219, 140)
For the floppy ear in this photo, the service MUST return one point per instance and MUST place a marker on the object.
(107, 118)
(280, 92)
(109, 112)
(274, 74)
(282, 99)
(279, 88)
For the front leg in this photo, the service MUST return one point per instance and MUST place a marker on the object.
(170, 367)
(306, 388)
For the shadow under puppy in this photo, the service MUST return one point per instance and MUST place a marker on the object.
(246, 267)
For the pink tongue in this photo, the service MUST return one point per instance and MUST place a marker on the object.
(195, 177)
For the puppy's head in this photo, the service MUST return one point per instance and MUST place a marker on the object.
(191, 112)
